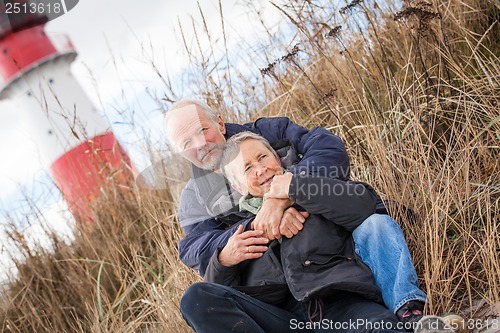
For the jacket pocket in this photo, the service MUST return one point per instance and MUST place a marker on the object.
(315, 262)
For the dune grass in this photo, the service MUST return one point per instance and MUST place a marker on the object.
(412, 87)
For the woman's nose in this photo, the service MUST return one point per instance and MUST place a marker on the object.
(259, 169)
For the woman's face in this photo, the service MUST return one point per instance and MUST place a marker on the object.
(254, 168)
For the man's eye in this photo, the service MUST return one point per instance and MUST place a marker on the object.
(247, 169)
(185, 145)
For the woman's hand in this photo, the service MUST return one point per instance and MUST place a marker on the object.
(269, 217)
(243, 246)
(279, 186)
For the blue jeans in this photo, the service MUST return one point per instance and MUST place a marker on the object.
(380, 242)
(213, 308)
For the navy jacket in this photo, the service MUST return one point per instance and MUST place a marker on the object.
(320, 260)
(320, 153)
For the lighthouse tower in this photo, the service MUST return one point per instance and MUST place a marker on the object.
(84, 156)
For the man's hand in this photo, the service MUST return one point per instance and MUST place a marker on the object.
(292, 222)
(269, 217)
(279, 186)
(243, 246)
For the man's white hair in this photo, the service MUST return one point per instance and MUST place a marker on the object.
(209, 112)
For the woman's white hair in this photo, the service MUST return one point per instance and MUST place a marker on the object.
(231, 151)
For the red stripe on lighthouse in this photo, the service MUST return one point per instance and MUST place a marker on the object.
(24, 49)
(85, 171)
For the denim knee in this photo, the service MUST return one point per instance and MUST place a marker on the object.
(376, 224)
(194, 298)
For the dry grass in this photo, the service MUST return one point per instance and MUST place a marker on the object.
(414, 90)
(123, 275)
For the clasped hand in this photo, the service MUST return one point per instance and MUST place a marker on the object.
(275, 218)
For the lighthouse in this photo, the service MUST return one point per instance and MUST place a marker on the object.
(85, 158)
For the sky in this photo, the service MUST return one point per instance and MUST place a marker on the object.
(116, 42)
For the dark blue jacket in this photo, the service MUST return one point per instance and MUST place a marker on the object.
(320, 260)
(320, 153)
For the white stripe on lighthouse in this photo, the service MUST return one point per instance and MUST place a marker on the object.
(60, 112)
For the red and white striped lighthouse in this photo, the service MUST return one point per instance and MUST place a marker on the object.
(83, 153)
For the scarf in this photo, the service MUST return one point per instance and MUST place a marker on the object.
(250, 203)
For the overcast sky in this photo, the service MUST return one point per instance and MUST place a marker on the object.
(115, 41)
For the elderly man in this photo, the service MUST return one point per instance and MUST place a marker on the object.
(208, 209)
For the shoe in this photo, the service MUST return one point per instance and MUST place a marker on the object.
(410, 313)
(432, 324)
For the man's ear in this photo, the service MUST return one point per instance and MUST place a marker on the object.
(222, 125)
(240, 189)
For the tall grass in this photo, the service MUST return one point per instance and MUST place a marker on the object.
(121, 275)
(412, 87)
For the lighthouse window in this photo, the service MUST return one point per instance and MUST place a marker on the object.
(51, 81)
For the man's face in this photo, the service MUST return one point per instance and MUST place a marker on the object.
(199, 138)
(254, 168)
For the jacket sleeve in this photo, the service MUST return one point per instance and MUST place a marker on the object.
(346, 203)
(191, 211)
(202, 241)
(217, 273)
(321, 153)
